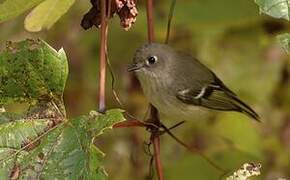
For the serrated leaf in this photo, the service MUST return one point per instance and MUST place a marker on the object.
(275, 8)
(42, 144)
(16, 134)
(64, 152)
(46, 14)
(105, 121)
(13, 8)
(284, 41)
(31, 70)
(96, 157)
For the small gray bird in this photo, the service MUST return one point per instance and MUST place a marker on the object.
(178, 84)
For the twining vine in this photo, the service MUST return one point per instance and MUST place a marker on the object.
(152, 124)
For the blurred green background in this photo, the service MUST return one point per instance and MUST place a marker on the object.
(228, 36)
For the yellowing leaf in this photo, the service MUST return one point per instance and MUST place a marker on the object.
(284, 41)
(13, 8)
(275, 8)
(46, 14)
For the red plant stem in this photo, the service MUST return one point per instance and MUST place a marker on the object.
(154, 118)
(155, 140)
(102, 72)
(129, 123)
(158, 164)
(150, 22)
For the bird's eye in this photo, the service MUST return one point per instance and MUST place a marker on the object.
(152, 60)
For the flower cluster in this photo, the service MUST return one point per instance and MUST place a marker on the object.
(126, 10)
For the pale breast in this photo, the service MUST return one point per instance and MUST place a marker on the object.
(162, 97)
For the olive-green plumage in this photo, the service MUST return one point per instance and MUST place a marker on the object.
(177, 84)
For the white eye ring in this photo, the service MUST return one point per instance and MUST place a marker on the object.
(151, 60)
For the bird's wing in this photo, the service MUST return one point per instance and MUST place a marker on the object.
(215, 95)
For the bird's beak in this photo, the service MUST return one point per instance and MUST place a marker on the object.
(134, 67)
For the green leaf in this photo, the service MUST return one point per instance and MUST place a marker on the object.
(96, 157)
(15, 136)
(7, 117)
(31, 70)
(46, 14)
(275, 8)
(21, 132)
(42, 143)
(13, 8)
(105, 121)
(65, 151)
(284, 41)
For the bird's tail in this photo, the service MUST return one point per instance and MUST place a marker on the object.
(228, 101)
(244, 108)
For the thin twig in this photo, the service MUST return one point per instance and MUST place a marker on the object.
(103, 42)
(151, 169)
(150, 126)
(170, 15)
(154, 118)
(176, 125)
(193, 150)
(115, 94)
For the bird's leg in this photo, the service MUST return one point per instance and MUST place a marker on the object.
(153, 121)
(175, 126)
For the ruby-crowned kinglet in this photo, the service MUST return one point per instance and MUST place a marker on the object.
(177, 84)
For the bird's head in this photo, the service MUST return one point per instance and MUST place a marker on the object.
(152, 59)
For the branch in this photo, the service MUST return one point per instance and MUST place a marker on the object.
(103, 47)
(217, 167)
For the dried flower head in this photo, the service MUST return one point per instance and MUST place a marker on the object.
(126, 10)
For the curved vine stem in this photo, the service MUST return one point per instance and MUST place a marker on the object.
(170, 15)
